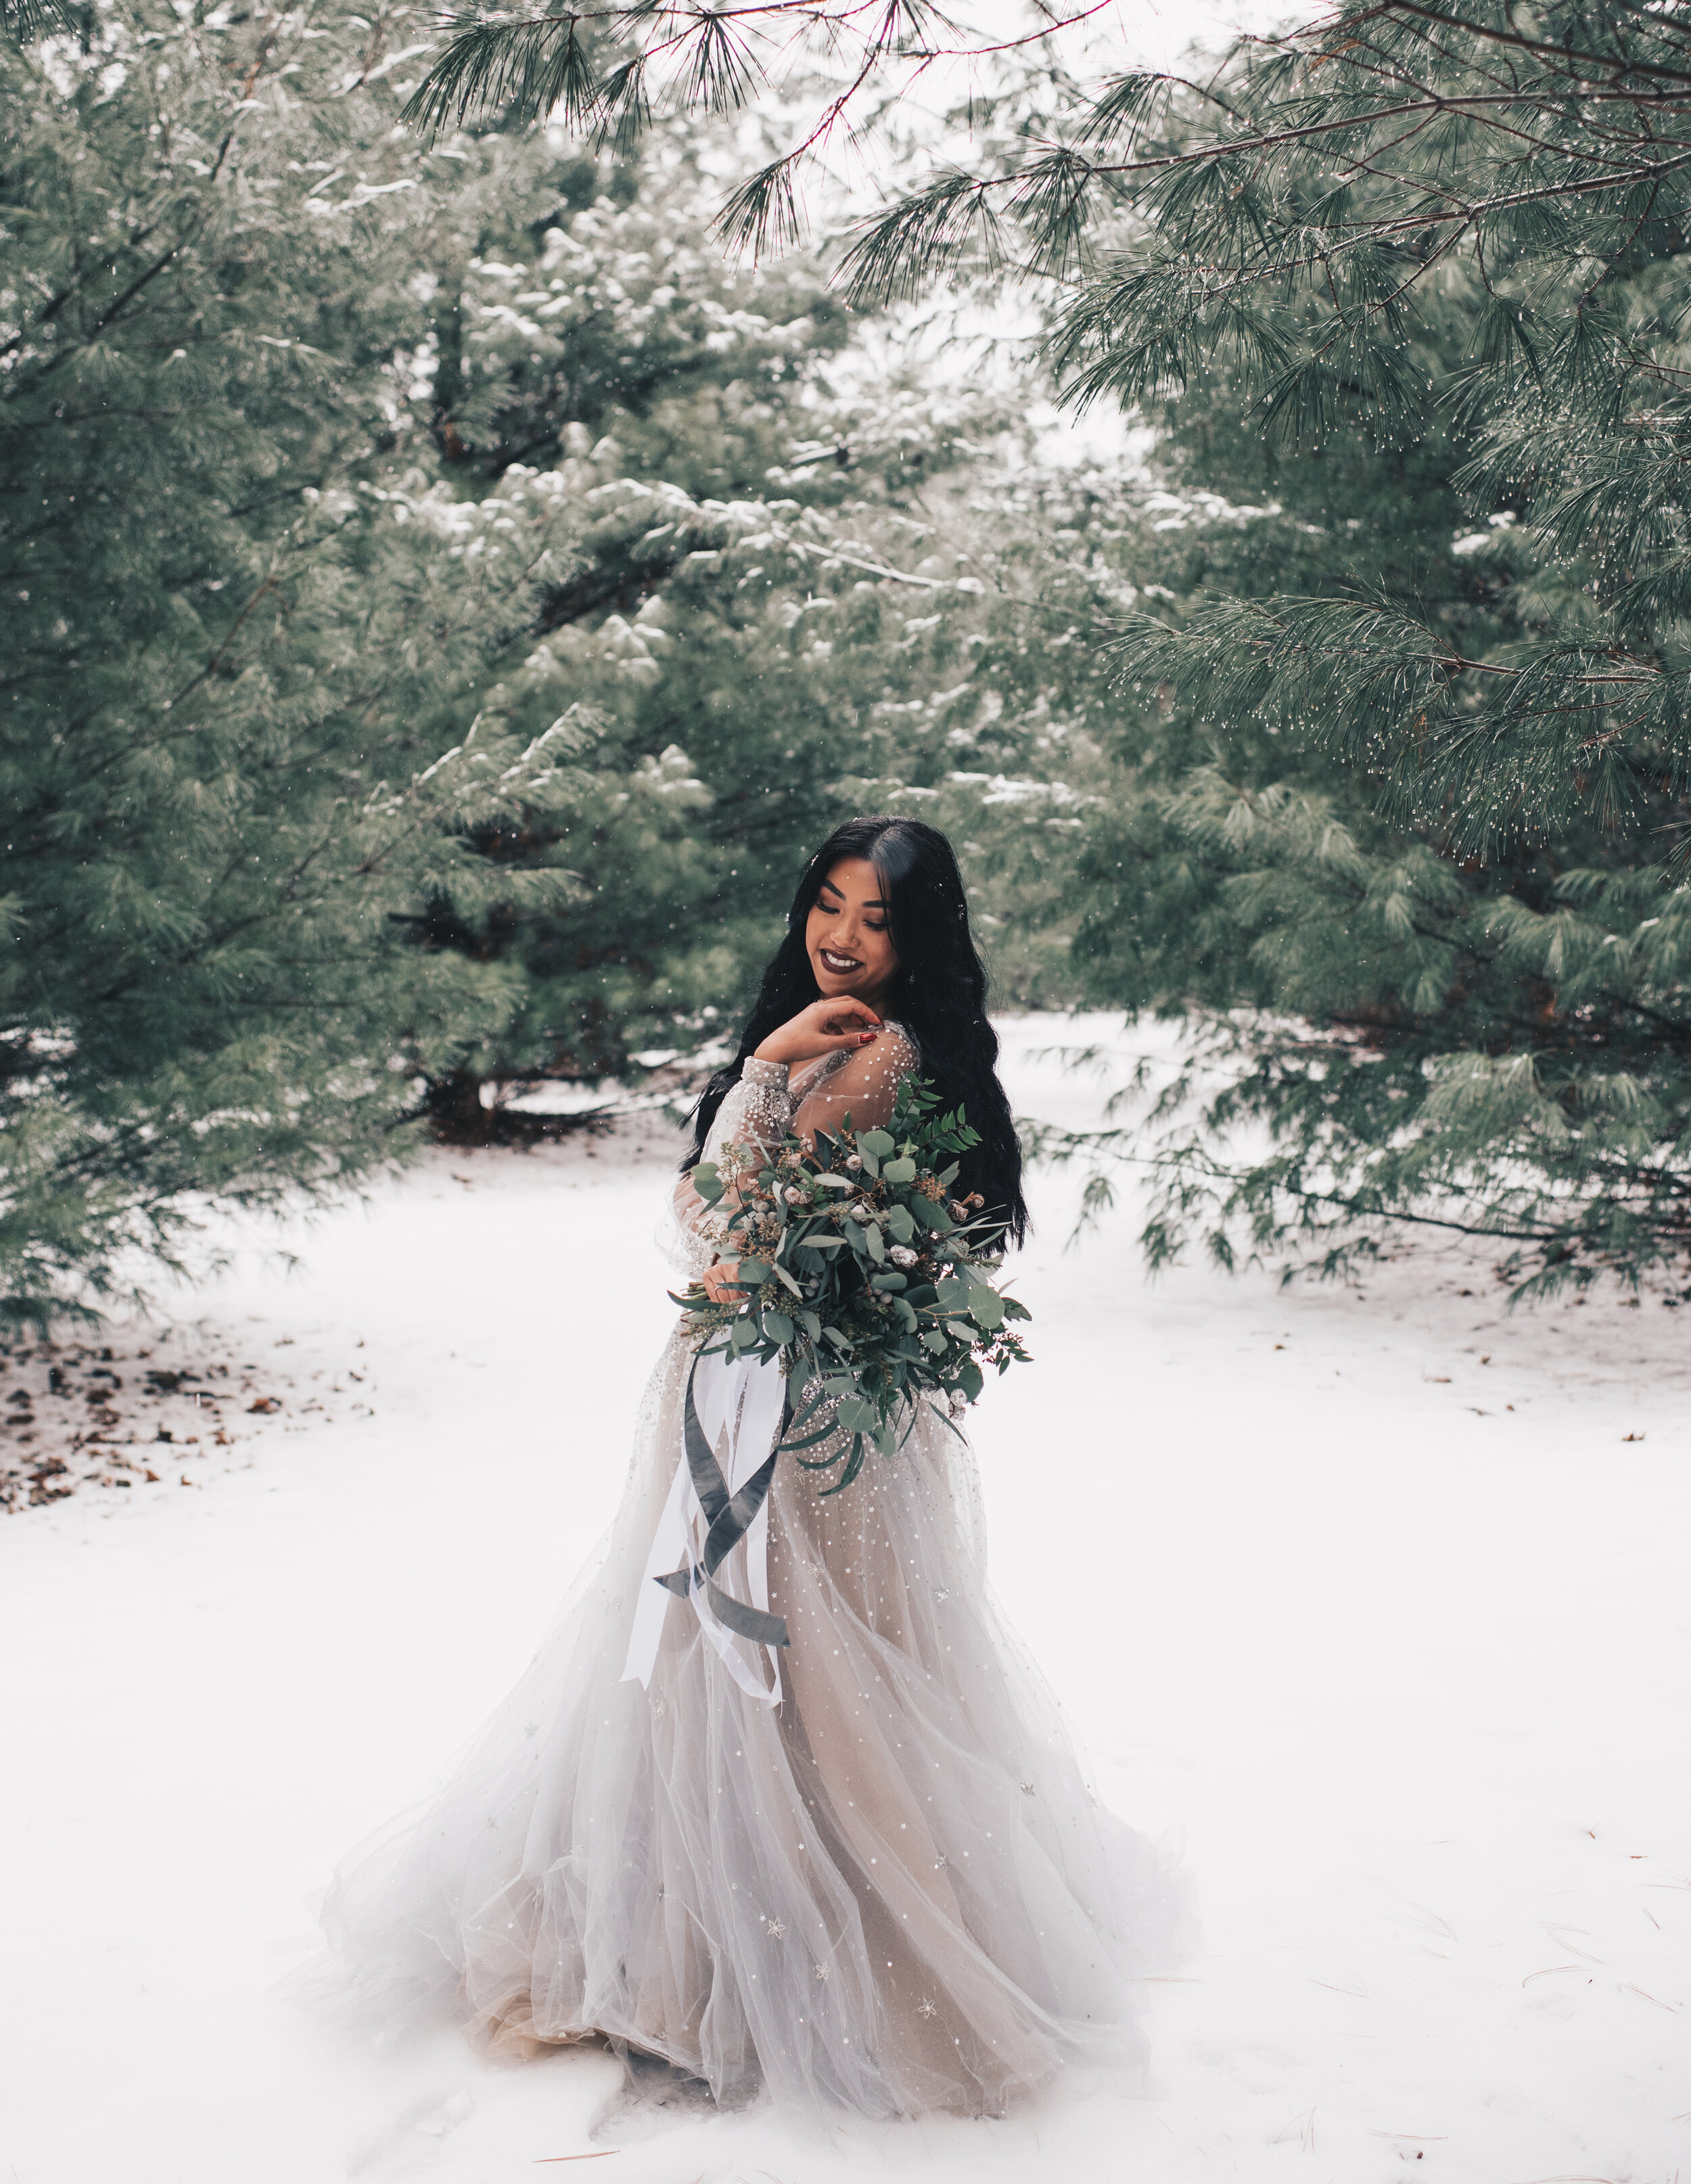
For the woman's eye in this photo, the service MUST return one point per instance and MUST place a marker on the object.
(874, 928)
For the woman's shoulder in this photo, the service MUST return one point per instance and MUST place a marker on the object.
(869, 1072)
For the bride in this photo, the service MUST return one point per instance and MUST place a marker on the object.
(867, 1871)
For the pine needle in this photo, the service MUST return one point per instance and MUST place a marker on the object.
(764, 211)
(26, 20)
(538, 66)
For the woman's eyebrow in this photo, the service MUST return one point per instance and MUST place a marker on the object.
(828, 888)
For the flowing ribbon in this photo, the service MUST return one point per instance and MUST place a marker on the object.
(746, 1402)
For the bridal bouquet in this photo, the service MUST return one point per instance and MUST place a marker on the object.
(870, 1285)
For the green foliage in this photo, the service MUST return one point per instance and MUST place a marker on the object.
(418, 567)
(1386, 1032)
(1312, 226)
(1400, 830)
(237, 736)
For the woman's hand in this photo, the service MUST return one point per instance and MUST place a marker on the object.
(827, 1027)
(719, 1278)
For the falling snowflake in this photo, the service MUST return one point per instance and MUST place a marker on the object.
(925, 2008)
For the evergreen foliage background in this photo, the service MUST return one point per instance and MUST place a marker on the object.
(447, 596)
(1407, 845)
(445, 601)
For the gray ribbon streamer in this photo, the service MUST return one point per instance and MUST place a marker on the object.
(729, 1517)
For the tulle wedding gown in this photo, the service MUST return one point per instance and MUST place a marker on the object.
(893, 1891)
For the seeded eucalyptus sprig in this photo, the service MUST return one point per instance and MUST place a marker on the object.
(862, 1277)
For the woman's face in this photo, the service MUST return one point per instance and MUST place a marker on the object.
(846, 936)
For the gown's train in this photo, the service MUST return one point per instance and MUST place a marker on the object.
(895, 1891)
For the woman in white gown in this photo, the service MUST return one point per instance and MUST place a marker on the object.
(893, 1889)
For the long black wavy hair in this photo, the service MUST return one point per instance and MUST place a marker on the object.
(939, 996)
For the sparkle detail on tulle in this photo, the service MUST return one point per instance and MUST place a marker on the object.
(630, 1834)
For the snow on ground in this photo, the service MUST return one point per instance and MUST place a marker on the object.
(1377, 1595)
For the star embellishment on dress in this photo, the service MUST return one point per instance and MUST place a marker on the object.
(925, 2008)
(1027, 1789)
(776, 1928)
(942, 1859)
(822, 1973)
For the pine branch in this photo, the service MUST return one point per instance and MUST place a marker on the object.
(540, 66)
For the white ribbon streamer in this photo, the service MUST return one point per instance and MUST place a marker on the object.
(739, 1402)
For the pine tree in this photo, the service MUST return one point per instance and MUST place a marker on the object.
(1443, 811)
(1491, 1043)
(726, 630)
(414, 678)
(215, 738)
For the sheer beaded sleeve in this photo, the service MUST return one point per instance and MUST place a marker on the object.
(757, 1111)
(860, 1087)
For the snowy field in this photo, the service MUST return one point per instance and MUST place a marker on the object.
(1376, 1597)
